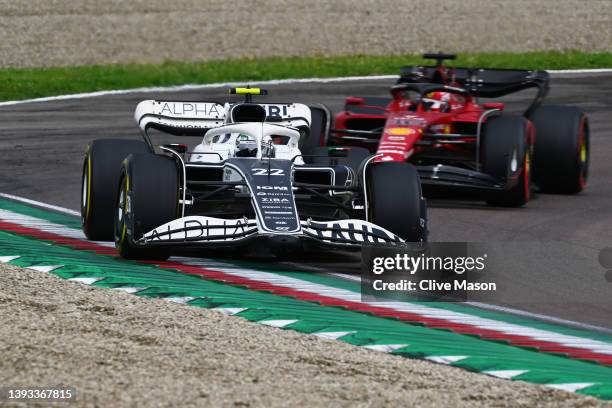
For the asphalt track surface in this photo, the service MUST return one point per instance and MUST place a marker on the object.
(550, 247)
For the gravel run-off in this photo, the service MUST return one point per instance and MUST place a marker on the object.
(117, 349)
(84, 32)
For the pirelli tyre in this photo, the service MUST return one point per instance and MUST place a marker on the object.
(100, 178)
(506, 155)
(395, 200)
(148, 197)
(318, 133)
(561, 151)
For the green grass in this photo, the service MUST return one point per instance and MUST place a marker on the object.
(20, 83)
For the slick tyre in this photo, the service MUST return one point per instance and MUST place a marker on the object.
(395, 200)
(100, 178)
(506, 156)
(561, 150)
(148, 197)
(318, 132)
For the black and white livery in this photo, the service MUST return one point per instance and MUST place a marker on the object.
(260, 174)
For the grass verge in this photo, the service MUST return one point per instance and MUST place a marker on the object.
(22, 83)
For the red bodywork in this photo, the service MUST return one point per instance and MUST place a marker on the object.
(405, 127)
(442, 129)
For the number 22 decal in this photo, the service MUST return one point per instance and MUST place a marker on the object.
(264, 172)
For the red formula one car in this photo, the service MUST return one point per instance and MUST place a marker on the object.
(435, 121)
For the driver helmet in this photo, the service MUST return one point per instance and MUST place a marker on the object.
(246, 146)
(443, 101)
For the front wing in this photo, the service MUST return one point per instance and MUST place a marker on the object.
(202, 231)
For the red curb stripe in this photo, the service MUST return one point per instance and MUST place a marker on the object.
(434, 323)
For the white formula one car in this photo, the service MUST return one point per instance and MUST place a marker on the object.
(259, 175)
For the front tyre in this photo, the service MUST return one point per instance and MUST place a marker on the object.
(148, 197)
(101, 171)
(561, 153)
(395, 201)
(506, 156)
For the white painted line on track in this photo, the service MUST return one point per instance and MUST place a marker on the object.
(505, 374)
(131, 289)
(333, 335)
(385, 348)
(180, 299)
(86, 281)
(277, 323)
(46, 226)
(44, 268)
(40, 204)
(230, 311)
(495, 308)
(571, 387)
(445, 359)
(538, 316)
(7, 259)
(195, 87)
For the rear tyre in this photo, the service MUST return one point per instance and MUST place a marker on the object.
(100, 178)
(506, 156)
(395, 201)
(561, 151)
(318, 132)
(148, 197)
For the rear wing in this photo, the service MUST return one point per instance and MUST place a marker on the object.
(483, 82)
(179, 118)
(286, 114)
(195, 118)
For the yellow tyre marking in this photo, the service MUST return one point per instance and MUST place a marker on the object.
(88, 199)
(125, 203)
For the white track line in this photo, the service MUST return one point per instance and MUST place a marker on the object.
(277, 323)
(86, 281)
(486, 306)
(230, 310)
(44, 268)
(505, 374)
(333, 335)
(7, 259)
(40, 204)
(445, 359)
(570, 387)
(195, 87)
(385, 348)
(131, 289)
